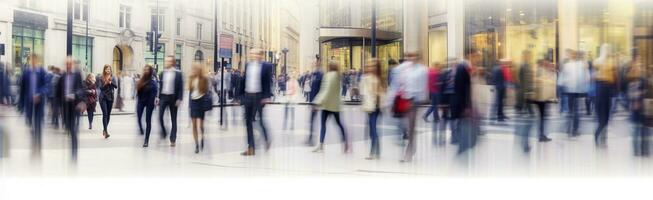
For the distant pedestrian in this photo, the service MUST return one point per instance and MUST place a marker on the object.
(90, 89)
(146, 89)
(329, 102)
(373, 89)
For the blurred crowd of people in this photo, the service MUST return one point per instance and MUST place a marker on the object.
(452, 91)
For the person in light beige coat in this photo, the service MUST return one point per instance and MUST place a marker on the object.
(373, 91)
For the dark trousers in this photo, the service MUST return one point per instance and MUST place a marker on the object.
(573, 117)
(336, 116)
(541, 108)
(289, 110)
(149, 108)
(35, 119)
(71, 119)
(641, 134)
(500, 96)
(168, 102)
(435, 101)
(374, 136)
(56, 112)
(314, 112)
(603, 99)
(253, 105)
(90, 114)
(106, 107)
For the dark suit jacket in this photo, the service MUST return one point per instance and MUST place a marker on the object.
(42, 86)
(498, 79)
(179, 85)
(316, 81)
(266, 79)
(77, 87)
(462, 91)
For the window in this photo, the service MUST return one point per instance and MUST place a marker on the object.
(26, 41)
(178, 27)
(149, 57)
(80, 10)
(199, 56)
(125, 16)
(29, 3)
(161, 21)
(80, 52)
(199, 31)
(178, 53)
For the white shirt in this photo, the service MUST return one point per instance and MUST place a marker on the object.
(253, 79)
(168, 82)
(196, 90)
(575, 76)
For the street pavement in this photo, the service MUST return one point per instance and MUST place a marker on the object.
(497, 154)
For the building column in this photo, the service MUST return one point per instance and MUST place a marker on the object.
(416, 27)
(567, 27)
(455, 29)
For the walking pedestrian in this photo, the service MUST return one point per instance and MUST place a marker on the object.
(33, 90)
(329, 102)
(575, 79)
(71, 92)
(605, 80)
(90, 88)
(146, 91)
(172, 91)
(107, 84)
(315, 85)
(373, 88)
(200, 102)
(256, 92)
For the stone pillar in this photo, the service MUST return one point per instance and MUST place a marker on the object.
(567, 27)
(415, 33)
(455, 29)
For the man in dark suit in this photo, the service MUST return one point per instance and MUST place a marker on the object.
(171, 94)
(256, 91)
(33, 91)
(316, 83)
(501, 76)
(71, 94)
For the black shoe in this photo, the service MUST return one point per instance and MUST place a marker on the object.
(197, 149)
(202, 144)
(145, 145)
(544, 139)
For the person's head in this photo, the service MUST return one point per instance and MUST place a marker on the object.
(169, 61)
(197, 69)
(333, 66)
(411, 56)
(106, 70)
(148, 71)
(70, 62)
(34, 60)
(90, 77)
(256, 54)
(371, 66)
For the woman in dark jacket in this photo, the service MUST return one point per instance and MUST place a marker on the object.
(146, 90)
(91, 98)
(107, 84)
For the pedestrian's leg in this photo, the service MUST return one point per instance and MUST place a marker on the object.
(173, 119)
(139, 115)
(325, 114)
(163, 104)
(109, 107)
(336, 116)
(90, 114)
(250, 113)
(264, 130)
(148, 122)
(410, 148)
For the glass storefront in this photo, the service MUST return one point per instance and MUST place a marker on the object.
(26, 41)
(79, 52)
(504, 28)
(438, 44)
(351, 54)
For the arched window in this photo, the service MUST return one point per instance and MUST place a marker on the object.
(199, 56)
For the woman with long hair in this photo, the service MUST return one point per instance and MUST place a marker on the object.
(200, 102)
(91, 98)
(605, 80)
(328, 99)
(146, 90)
(107, 84)
(372, 88)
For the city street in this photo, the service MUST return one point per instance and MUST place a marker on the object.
(497, 152)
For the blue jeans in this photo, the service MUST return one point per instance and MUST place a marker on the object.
(604, 93)
(253, 106)
(573, 119)
(435, 101)
(374, 137)
(336, 116)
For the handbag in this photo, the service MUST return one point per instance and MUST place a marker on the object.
(401, 105)
(207, 102)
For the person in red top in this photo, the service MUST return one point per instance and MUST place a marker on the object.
(434, 91)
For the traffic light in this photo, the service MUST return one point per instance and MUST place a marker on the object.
(156, 41)
(150, 41)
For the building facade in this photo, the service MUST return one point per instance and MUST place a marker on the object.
(116, 32)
